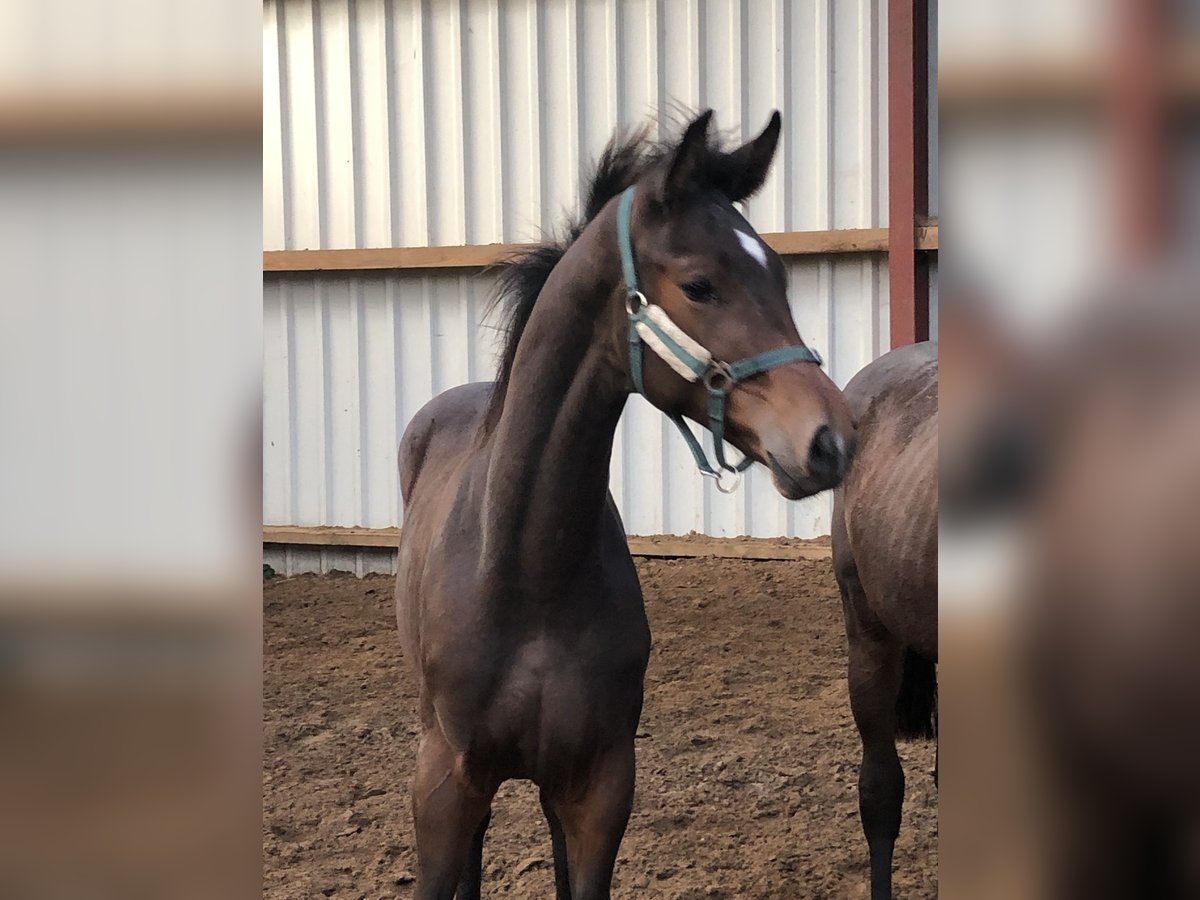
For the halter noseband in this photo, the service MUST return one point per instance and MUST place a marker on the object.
(650, 325)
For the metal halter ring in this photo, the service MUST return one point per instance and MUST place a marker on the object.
(717, 378)
(642, 302)
(735, 479)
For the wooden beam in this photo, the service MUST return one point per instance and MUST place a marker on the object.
(666, 546)
(818, 243)
(908, 168)
(1063, 86)
(727, 548)
(80, 116)
(330, 536)
(1035, 85)
(477, 256)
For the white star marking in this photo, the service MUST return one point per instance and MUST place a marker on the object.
(752, 246)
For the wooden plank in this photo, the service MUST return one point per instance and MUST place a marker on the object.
(477, 256)
(1048, 85)
(927, 238)
(726, 548)
(814, 243)
(1063, 86)
(65, 117)
(908, 173)
(691, 546)
(329, 536)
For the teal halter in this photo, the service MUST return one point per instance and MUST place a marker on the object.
(717, 377)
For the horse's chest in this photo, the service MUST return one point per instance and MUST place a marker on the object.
(538, 707)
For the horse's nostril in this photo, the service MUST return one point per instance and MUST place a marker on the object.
(827, 455)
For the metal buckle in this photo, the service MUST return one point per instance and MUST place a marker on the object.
(642, 302)
(712, 376)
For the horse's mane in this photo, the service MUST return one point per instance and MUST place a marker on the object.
(521, 277)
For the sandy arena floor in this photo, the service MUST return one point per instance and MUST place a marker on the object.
(747, 756)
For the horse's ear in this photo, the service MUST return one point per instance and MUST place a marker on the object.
(743, 171)
(687, 158)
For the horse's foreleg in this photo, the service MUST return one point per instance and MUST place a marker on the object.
(470, 885)
(876, 670)
(558, 841)
(594, 824)
(450, 818)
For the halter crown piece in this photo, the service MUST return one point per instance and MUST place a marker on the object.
(650, 325)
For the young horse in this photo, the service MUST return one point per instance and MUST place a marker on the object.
(884, 531)
(517, 598)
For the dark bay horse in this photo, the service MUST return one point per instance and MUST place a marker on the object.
(1111, 622)
(884, 532)
(517, 598)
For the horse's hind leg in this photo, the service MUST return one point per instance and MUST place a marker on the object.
(450, 818)
(594, 824)
(876, 670)
(558, 842)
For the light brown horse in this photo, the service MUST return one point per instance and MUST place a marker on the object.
(884, 532)
(517, 599)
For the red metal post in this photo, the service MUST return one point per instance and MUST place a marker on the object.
(908, 167)
(1139, 123)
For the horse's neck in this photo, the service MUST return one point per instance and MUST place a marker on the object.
(547, 479)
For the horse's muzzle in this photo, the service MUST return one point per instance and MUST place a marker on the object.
(829, 457)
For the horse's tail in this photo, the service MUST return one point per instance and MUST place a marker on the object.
(916, 707)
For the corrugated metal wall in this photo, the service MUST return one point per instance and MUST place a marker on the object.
(470, 121)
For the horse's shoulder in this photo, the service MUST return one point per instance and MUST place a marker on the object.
(442, 428)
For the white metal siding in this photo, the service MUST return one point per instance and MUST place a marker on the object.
(471, 121)
(348, 360)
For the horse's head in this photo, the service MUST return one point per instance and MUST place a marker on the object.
(701, 263)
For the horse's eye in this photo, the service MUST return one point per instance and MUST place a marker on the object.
(700, 291)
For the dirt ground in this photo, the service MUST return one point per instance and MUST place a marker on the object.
(747, 754)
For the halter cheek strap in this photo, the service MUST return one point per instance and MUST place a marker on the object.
(650, 326)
